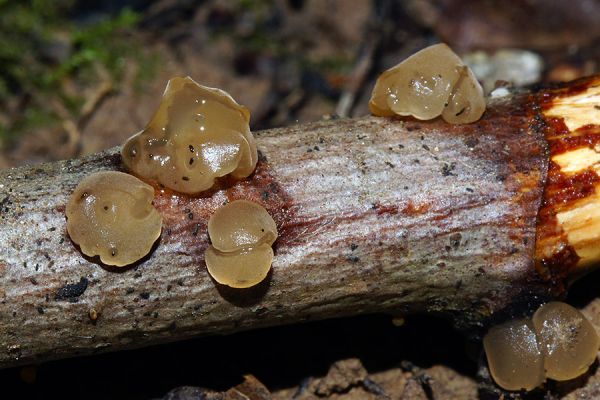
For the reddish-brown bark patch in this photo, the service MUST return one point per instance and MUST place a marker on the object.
(185, 217)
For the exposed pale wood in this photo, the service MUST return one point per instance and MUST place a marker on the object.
(374, 215)
(578, 108)
(568, 241)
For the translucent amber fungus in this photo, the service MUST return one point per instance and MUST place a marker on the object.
(513, 355)
(196, 135)
(110, 214)
(428, 84)
(567, 339)
(241, 233)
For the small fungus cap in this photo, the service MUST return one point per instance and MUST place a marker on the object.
(567, 339)
(513, 355)
(110, 214)
(197, 134)
(241, 223)
(430, 83)
(241, 233)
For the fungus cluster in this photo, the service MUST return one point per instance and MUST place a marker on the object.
(110, 214)
(241, 233)
(430, 83)
(197, 134)
(558, 342)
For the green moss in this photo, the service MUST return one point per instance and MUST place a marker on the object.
(42, 51)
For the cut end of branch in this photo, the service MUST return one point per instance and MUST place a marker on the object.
(568, 236)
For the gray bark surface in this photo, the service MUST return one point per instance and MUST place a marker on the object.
(374, 215)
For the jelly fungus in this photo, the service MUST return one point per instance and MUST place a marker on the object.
(241, 233)
(110, 214)
(567, 339)
(431, 82)
(558, 339)
(513, 355)
(197, 134)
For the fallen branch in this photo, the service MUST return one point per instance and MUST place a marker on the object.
(374, 215)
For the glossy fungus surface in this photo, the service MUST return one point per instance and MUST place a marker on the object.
(513, 355)
(110, 215)
(197, 134)
(430, 83)
(568, 340)
(241, 233)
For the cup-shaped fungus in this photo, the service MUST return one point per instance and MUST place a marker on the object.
(513, 355)
(197, 134)
(241, 233)
(430, 83)
(567, 339)
(110, 214)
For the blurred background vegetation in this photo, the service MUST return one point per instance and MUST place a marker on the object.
(47, 56)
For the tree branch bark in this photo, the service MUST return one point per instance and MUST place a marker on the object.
(374, 215)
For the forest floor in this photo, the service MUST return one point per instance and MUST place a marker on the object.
(292, 62)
